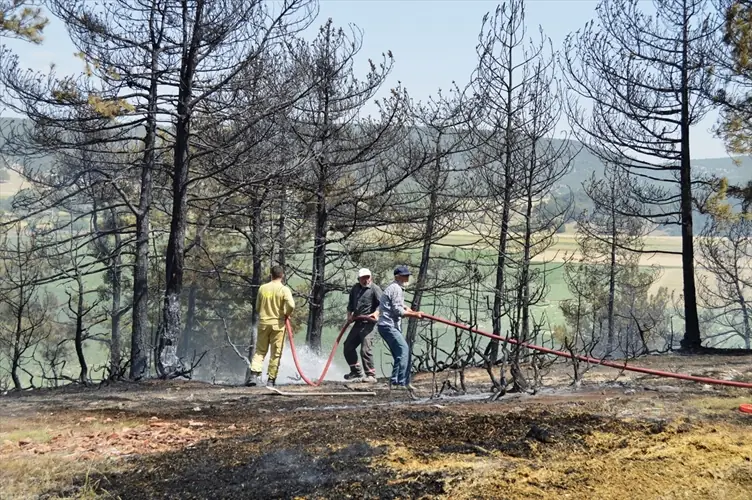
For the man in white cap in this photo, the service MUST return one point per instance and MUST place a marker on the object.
(365, 297)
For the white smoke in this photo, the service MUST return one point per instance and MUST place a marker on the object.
(310, 363)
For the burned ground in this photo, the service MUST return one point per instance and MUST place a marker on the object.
(630, 438)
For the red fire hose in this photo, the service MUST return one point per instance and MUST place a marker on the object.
(594, 361)
(331, 356)
(563, 354)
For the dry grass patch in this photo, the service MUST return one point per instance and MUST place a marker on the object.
(715, 404)
(31, 476)
(659, 462)
(38, 457)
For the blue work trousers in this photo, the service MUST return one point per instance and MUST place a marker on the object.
(400, 352)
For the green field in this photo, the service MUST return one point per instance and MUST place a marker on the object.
(547, 311)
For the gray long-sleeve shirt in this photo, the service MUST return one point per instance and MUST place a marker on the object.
(364, 300)
(392, 306)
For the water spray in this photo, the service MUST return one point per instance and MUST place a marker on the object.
(546, 350)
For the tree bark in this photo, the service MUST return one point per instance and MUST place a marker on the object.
(256, 276)
(493, 346)
(140, 315)
(168, 362)
(79, 340)
(492, 351)
(139, 344)
(318, 284)
(16, 347)
(692, 338)
(281, 254)
(612, 273)
(525, 271)
(420, 283)
(116, 262)
(16, 350)
(523, 299)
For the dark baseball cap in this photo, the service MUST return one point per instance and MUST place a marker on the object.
(402, 271)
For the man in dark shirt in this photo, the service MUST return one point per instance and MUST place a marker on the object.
(364, 301)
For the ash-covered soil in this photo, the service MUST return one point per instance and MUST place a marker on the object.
(617, 436)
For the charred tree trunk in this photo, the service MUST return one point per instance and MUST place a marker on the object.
(519, 381)
(168, 363)
(612, 273)
(281, 253)
(116, 271)
(167, 360)
(256, 276)
(493, 346)
(692, 338)
(80, 332)
(139, 344)
(525, 271)
(15, 363)
(14, 373)
(428, 236)
(647, 79)
(492, 351)
(140, 316)
(318, 283)
(116, 356)
(420, 284)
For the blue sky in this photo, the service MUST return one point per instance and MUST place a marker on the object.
(433, 42)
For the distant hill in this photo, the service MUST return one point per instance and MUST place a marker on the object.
(737, 170)
(737, 173)
(583, 166)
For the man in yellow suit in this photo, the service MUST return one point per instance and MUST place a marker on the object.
(274, 304)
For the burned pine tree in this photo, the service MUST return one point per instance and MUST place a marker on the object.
(608, 237)
(646, 78)
(110, 247)
(726, 250)
(613, 313)
(126, 47)
(27, 307)
(126, 53)
(238, 194)
(217, 41)
(436, 200)
(70, 154)
(543, 207)
(501, 82)
(95, 238)
(349, 171)
(81, 309)
(440, 198)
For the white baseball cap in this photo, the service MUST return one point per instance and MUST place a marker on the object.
(364, 272)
